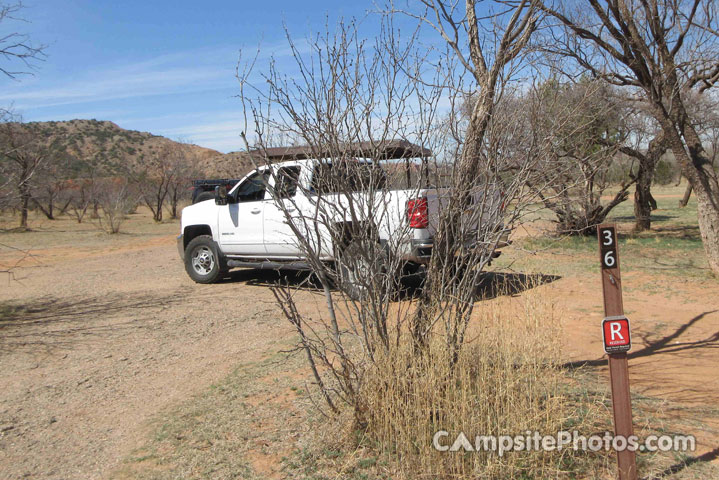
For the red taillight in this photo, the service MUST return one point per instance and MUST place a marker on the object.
(417, 213)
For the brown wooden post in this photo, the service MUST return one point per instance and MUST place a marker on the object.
(618, 367)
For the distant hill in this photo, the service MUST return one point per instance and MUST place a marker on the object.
(112, 147)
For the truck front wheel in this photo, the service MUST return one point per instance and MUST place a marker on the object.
(202, 260)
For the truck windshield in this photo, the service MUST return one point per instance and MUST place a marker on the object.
(347, 176)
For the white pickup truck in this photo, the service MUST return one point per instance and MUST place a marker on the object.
(248, 227)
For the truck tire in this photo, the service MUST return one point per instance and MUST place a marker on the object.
(204, 196)
(354, 270)
(202, 260)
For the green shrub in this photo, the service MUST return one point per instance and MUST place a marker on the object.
(665, 172)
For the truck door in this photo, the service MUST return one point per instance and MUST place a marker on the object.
(280, 240)
(241, 222)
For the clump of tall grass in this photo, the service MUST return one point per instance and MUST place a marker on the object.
(507, 381)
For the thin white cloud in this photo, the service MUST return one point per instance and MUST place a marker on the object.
(202, 69)
(119, 85)
(221, 135)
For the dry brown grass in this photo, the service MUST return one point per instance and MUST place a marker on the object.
(507, 382)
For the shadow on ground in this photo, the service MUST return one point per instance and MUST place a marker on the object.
(491, 284)
(678, 467)
(655, 218)
(496, 284)
(51, 321)
(665, 345)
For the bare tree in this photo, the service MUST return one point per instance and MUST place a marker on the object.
(585, 126)
(15, 45)
(488, 47)
(643, 145)
(153, 180)
(703, 111)
(83, 194)
(23, 154)
(50, 189)
(16, 171)
(663, 52)
(115, 198)
(83, 187)
(647, 161)
(13, 169)
(348, 95)
(181, 165)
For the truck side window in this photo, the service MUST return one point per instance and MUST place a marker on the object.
(253, 189)
(287, 181)
(347, 176)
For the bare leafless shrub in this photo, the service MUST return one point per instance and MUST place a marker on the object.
(115, 199)
(347, 103)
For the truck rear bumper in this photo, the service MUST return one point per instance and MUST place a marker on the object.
(421, 250)
(181, 246)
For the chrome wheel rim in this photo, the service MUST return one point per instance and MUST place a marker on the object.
(203, 260)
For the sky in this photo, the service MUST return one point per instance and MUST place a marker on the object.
(165, 67)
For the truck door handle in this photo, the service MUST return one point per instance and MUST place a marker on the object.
(255, 211)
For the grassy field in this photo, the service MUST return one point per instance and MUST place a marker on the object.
(672, 247)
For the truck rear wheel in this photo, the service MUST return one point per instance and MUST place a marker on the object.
(202, 260)
(355, 269)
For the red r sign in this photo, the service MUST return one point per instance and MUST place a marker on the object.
(617, 337)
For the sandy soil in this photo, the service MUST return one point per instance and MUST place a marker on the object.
(675, 343)
(107, 340)
(101, 339)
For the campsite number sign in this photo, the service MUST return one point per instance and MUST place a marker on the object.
(608, 247)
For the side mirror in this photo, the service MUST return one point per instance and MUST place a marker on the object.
(220, 195)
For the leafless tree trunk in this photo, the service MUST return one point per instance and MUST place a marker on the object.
(687, 194)
(24, 191)
(644, 202)
(486, 50)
